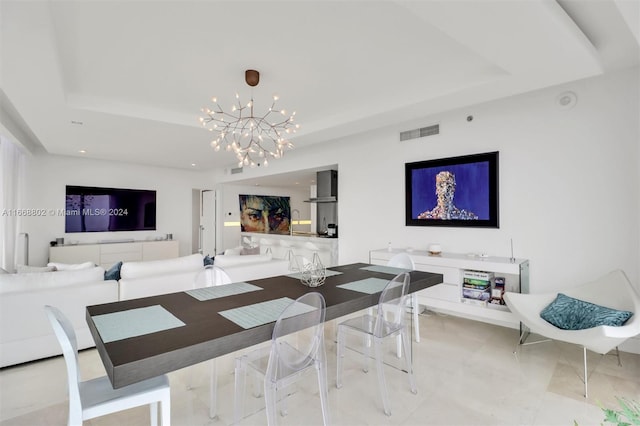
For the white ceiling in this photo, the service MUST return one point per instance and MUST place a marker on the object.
(125, 80)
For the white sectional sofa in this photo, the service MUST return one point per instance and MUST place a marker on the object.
(25, 332)
(251, 267)
(150, 278)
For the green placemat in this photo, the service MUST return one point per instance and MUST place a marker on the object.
(264, 312)
(385, 269)
(215, 292)
(368, 285)
(329, 273)
(135, 322)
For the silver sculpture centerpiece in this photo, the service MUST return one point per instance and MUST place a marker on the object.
(313, 274)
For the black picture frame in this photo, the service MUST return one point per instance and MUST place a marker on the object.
(472, 201)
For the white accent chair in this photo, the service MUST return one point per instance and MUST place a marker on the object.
(612, 291)
(211, 276)
(403, 260)
(288, 357)
(96, 397)
(388, 322)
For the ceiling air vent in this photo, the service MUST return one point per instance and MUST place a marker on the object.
(420, 133)
(236, 170)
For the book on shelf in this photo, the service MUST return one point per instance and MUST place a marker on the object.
(469, 293)
(478, 275)
(476, 283)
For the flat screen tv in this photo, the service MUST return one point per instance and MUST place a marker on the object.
(91, 209)
(454, 191)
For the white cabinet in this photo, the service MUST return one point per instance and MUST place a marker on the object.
(107, 254)
(447, 297)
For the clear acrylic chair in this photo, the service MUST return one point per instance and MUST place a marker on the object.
(387, 322)
(96, 397)
(289, 356)
(208, 277)
(289, 254)
(403, 260)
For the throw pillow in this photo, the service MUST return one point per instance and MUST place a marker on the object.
(113, 273)
(208, 260)
(568, 313)
(21, 269)
(250, 250)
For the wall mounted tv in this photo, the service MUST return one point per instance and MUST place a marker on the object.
(455, 191)
(91, 209)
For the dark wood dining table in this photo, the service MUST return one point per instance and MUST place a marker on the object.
(206, 334)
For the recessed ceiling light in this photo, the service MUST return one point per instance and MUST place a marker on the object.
(82, 151)
(193, 164)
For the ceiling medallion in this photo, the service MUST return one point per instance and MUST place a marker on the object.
(253, 138)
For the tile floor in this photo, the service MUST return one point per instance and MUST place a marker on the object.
(466, 374)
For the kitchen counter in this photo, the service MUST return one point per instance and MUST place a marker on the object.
(300, 244)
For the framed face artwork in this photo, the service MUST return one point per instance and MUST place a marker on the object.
(456, 191)
(265, 214)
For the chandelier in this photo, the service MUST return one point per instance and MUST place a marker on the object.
(253, 138)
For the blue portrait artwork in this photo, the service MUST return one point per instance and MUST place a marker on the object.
(451, 192)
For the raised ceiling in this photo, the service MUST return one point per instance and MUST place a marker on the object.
(125, 80)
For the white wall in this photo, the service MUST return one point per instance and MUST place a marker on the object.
(569, 181)
(47, 176)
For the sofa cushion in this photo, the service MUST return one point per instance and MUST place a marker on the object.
(568, 313)
(23, 269)
(224, 261)
(71, 266)
(41, 280)
(131, 270)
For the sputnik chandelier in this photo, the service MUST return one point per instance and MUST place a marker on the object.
(252, 138)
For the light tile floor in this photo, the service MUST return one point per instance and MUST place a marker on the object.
(466, 372)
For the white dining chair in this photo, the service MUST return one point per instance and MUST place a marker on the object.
(404, 261)
(387, 322)
(96, 397)
(288, 357)
(208, 277)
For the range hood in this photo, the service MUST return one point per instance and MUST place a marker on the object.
(327, 187)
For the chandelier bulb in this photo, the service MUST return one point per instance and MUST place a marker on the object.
(214, 100)
(265, 163)
(240, 164)
(283, 112)
(237, 95)
(275, 97)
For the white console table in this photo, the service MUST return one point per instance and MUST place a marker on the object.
(106, 254)
(447, 297)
